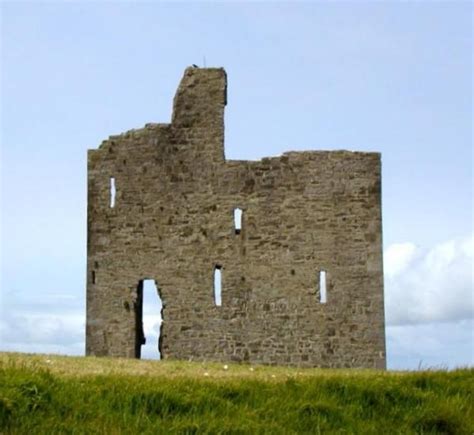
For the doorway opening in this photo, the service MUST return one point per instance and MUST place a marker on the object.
(149, 320)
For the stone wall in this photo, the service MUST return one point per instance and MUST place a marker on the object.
(173, 222)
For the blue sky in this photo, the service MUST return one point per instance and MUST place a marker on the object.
(394, 77)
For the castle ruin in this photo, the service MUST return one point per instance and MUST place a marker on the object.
(296, 239)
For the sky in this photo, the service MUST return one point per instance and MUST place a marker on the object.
(393, 77)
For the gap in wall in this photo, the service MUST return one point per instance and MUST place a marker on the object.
(152, 320)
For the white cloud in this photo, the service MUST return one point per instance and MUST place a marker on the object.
(397, 257)
(431, 345)
(25, 328)
(151, 326)
(423, 286)
(152, 306)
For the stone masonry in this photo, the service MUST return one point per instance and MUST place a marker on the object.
(172, 220)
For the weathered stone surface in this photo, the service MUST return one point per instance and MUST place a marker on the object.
(173, 222)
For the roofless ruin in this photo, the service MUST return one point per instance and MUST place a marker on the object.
(277, 261)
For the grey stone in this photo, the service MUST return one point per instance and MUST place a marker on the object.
(173, 222)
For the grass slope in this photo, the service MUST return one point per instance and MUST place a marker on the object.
(44, 394)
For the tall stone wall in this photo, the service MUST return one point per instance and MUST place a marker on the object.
(173, 222)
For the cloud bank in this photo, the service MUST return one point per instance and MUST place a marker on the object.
(428, 303)
(424, 286)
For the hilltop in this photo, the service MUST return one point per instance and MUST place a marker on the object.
(57, 394)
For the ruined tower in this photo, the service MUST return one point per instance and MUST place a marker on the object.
(301, 274)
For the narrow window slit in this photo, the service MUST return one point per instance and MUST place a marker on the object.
(112, 192)
(93, 277)
(322, 287)
(218, 285)
(238, 220)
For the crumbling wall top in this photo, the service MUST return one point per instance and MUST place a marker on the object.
(201, 97)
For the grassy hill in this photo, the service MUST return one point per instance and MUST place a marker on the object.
(45, 394)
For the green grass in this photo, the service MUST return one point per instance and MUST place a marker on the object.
(44, 394)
